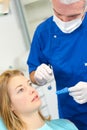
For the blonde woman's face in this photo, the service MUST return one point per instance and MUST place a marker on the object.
(24, 98)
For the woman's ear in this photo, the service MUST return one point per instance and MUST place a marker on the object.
(12, 107)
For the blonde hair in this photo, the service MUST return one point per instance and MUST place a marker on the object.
(11, 120)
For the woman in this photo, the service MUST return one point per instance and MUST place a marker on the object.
(20, 104)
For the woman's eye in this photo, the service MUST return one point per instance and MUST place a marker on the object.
(29, 83)
(20, 90)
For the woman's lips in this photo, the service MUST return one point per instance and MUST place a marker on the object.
(35, 98)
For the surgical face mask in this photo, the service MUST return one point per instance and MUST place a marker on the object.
(67, 27)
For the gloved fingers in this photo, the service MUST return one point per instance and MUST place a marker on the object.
(77, 93)
(39, 78)
(41, 82)
(38, 75)
(74, 89)
(80, 86)
(79, 97)
(46, 68)
(43, 70)
(80, 101)
(42, 74)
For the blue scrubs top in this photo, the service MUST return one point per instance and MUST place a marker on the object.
(67, 54)
(2, 125)
(58, 124)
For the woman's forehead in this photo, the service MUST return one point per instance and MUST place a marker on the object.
(15, 81)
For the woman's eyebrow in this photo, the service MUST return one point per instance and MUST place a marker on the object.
(19, 86)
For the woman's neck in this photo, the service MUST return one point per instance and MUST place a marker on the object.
(33, 121)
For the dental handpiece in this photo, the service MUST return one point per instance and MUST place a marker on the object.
(62, 91)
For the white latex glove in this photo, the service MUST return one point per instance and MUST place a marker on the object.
(43, 74)
(79, 92)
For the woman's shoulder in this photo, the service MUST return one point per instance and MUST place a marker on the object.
(63, 124)
(2, 125)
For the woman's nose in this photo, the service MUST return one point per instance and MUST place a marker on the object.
(31, 90)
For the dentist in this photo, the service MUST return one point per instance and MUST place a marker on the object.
(61, 41)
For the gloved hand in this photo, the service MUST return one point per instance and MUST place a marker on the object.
(43, 74)
(79, 92)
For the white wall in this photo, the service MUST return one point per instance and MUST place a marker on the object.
(13, 53)
(11, 39)
(34, 15)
